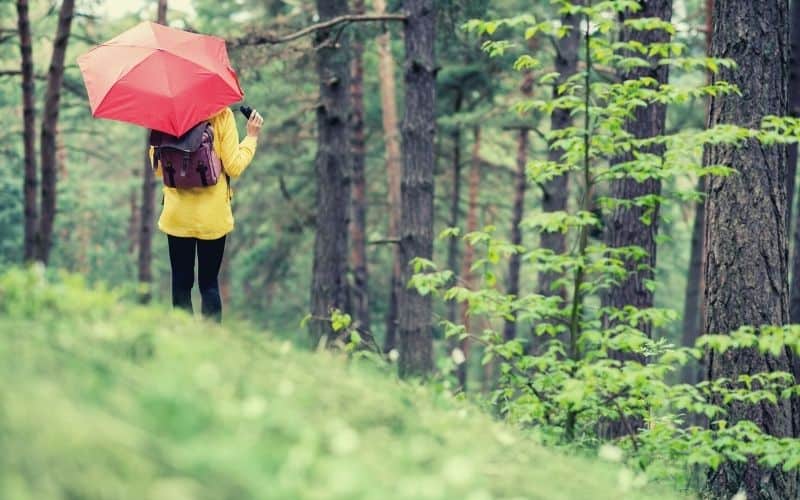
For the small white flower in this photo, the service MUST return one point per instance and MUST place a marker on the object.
(610, 452)
(393, 355)
(458, 356)
(739, 496)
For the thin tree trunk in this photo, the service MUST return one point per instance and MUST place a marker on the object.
(416, 227)
(147, 215)
(394, 167)
(52, 99)
(358, 224)
(467, 276)
(455, 202)
(133, 223)
(29, 129)
(693, 370)
(555, 192)
(520, 186)
(745, 252)
(329, 279)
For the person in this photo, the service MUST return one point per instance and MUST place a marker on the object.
(197, 220)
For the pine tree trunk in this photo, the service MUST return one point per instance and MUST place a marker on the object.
(455, 202)
(416, 225)
(28, 129)
(745, 251)
(52, 99)
(555, 191)
(329, 273)
(147, 214)
(394, 168)
(358, 224)
(467, 276)
(520, 186)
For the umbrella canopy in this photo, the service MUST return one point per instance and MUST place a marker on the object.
(159, 77)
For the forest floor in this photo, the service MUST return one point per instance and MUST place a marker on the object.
(103, 399)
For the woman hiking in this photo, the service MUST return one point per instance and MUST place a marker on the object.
(196, 214)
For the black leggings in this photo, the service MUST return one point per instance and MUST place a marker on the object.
(209, 258)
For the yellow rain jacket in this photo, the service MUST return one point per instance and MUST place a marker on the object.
(205, 212)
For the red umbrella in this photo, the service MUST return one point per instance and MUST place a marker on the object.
(159, 77)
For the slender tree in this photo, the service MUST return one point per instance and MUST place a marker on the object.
(745, 265)
(455, 197)
(28, 128)
(466, 274)
(794, 109)
(692, 373)
(416, 227)
(52, 99)
(636, 225)
(329, 279)
(358, 224)
(394, 167)
(520, 186)
(147, 209)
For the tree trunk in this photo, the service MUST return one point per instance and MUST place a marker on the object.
(555, 192)
(358, 224)
(394, 168)
(329, 279)
(455, 202)
(147, 214)
(692, 373)
(745, 251)
(794, 109)
(52, 99)
(693, 370)
(467, 276)
(416, 225)
(29, 129)
(520, 185)
(626, 227)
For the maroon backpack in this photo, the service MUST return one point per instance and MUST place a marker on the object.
(187, 161)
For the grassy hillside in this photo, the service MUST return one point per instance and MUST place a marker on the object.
(100, 399)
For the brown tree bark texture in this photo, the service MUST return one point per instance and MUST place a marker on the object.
(416, 225)
(329, 280)
(47, 141)
(358, 223)
(745, 251)
(394, 166)
(30, 180)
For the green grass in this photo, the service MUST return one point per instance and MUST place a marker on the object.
(101, 399)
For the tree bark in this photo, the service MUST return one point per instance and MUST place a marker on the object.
(555, 192)
(29, 129)
(147, 214)
(416, 226)
(55, 77)
(394, 167)
(467, 276)
(520, 186)
(745, 228)
(358, 224)
(625, 227)
(329, 279)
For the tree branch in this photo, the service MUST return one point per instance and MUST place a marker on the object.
(273, 39)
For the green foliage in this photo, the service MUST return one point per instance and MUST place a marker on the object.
(588, 369)
(102, 399)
